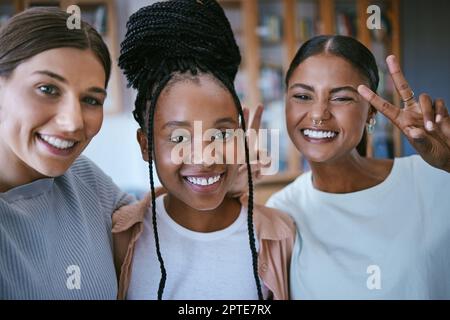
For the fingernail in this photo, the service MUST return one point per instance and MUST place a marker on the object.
(429, 125)
(438, 118)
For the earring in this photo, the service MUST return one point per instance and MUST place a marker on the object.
(371, 125)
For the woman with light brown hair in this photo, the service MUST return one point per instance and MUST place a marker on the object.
(55, 205)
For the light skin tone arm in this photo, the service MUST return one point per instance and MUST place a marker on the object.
(425, 123)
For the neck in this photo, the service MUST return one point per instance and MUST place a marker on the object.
(203, 221)
(349, 173)
(13, 172)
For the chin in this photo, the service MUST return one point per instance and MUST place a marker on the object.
(319, 157)
(205, 204)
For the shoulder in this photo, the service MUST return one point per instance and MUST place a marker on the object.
(129, 215)
(420, 170)
(288, 197)
(85, 174)
(87, 170)
(273, 224)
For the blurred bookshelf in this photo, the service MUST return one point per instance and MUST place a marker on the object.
(269, 32)
(102, 15)
(8, 8)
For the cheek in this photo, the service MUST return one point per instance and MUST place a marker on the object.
(352, 121)
(165, 165)
(294, 114)
(93, 122)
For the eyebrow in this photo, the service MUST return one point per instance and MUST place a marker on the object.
(63, 80)
(172, 124)
(348, 88)
(228, 120)
(334, 90)
(302, 85)
(187, 124)
(51, 75)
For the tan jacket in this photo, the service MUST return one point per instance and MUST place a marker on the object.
(275, 231)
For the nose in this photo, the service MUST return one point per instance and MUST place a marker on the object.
(204, 152)
(320, 112)
(70, 115)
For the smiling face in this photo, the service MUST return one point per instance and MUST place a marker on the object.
(182, 105)
(325, 114)
(50, 109)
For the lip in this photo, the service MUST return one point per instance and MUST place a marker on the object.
(204, 189)
(56, 151)
(318, 140)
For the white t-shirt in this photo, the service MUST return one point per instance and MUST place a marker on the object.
(209, 266)
(391, 241)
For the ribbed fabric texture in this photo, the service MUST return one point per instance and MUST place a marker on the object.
(55, 236)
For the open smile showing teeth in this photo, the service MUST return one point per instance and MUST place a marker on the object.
(319, 134)
(57, 142)
(203, 181)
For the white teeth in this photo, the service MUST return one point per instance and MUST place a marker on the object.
(318, 134)
(203, 181)
(57, 143)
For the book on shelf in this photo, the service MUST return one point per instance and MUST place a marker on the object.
(271, 83)
(3, 19)
(305, 29)
(96, 16)
(270, 29)
(6, 11)
(345, 24)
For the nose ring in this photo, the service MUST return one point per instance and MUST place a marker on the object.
(317, 122)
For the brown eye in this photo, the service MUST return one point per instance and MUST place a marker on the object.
(302, 97)
(221, 136)
(179, 139)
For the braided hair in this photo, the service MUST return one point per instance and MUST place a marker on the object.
(181, 37)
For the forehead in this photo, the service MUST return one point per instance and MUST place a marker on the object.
(75, 65)
(327, 69)
(195, 98)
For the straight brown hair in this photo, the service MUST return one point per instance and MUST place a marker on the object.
(39, 29)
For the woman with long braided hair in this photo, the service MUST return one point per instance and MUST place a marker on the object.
(182, 58)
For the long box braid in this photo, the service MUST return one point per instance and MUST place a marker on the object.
(178, 37)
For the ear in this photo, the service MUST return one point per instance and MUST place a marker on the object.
(142, 140)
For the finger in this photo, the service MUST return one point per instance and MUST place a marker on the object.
(442, 129)
(415, 133)
(242, 168)
(420, 139)
(400, 82)
(389, 110)
(426, 106)
(256, 121)
(440, 110)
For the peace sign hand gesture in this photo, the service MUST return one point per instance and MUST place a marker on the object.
(240, 185)
(425, 124)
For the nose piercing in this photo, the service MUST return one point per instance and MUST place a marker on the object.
(317, 122)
